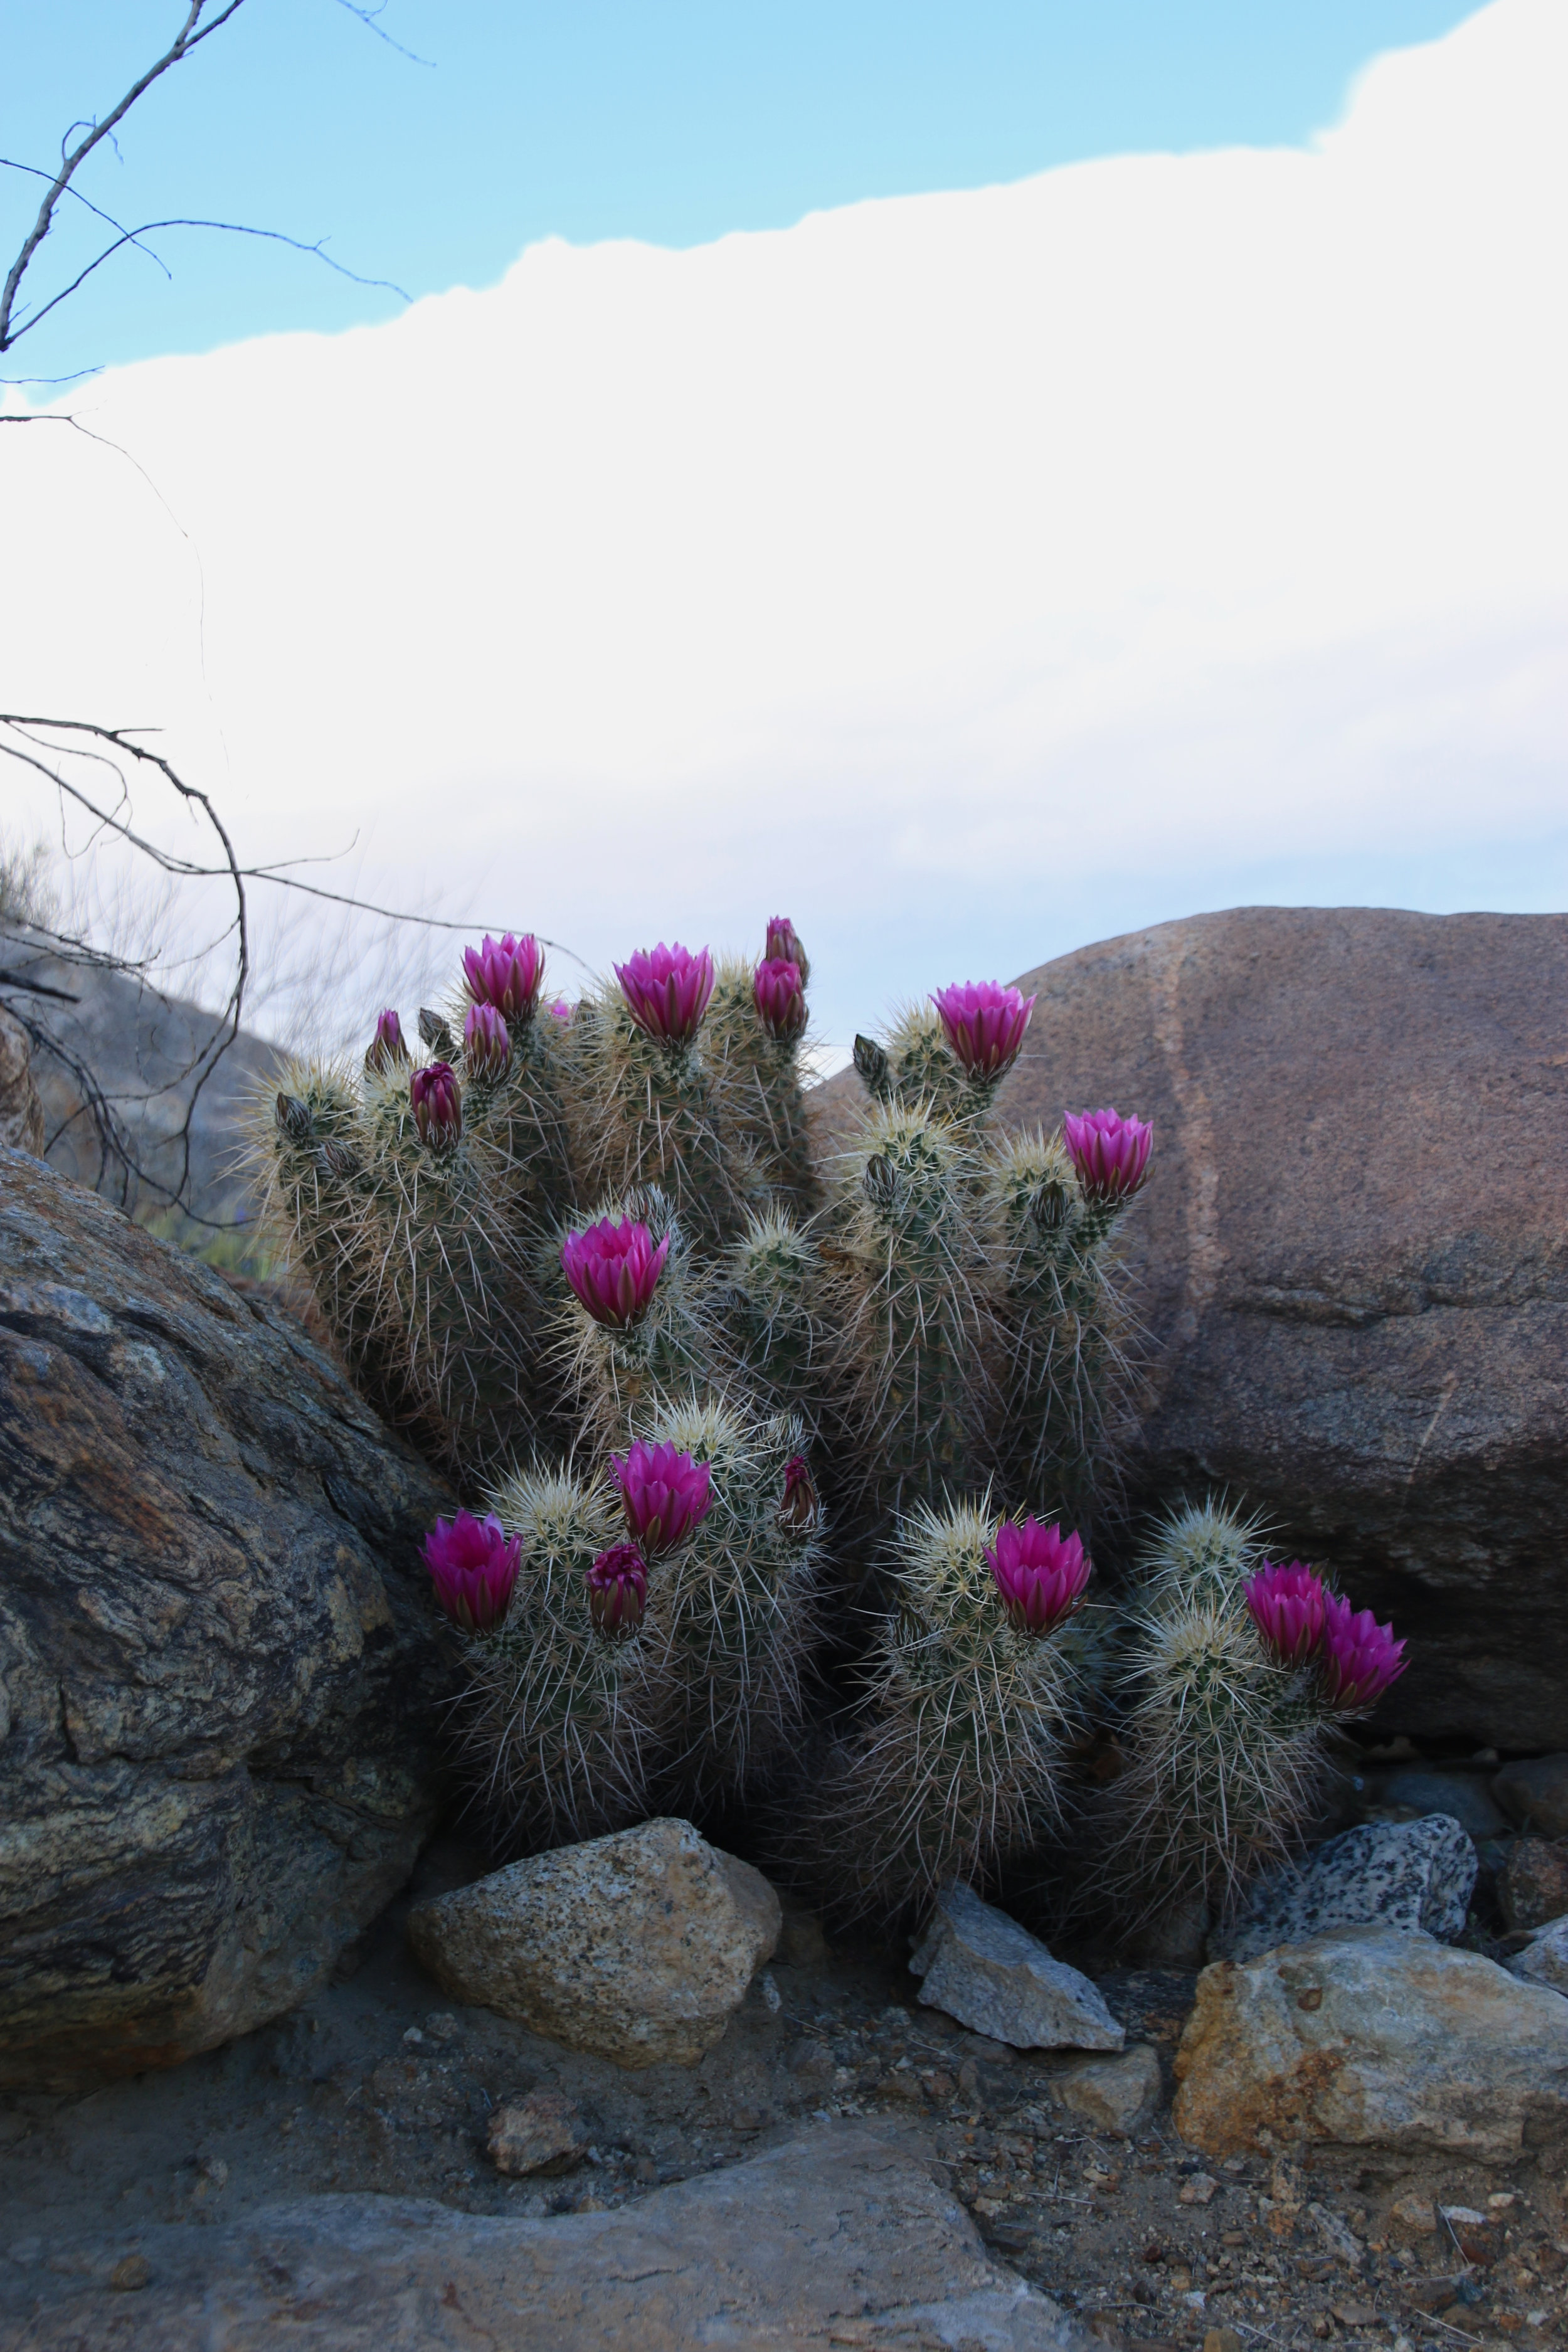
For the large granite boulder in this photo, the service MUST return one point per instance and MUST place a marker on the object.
(219, 1673)
(1352, 1259)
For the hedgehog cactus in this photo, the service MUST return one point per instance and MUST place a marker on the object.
(953, 1765)
(778, 1381)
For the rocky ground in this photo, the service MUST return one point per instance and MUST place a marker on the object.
(378, 2085)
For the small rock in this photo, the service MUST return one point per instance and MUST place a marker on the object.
(1355, 2314)
(1372, 2037)
(1413, 2216)
(1463, 1797)
(811, 2058)
(544, 2133)
(1200, 2190)
(1532, 1888)
(1409, 1874)
(1479, 2236)
(214, 2169)
(1117, 2095)
(1535, 1795)
(1221, 2339)
(442, 2026)
(1544, 1959)
(636, 1948)
(130, 2273)
(992, 1975)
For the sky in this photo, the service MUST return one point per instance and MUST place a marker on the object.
(976, 495)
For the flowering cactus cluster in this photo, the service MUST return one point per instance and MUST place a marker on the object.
(787, 1462)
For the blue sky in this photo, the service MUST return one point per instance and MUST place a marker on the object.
(673, 123)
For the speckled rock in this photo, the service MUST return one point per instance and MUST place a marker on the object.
(1116, 2095)
(982, 1968)
(1408, 1874)
(637, 1947)
(1533, 1886)
(1372, 2037)
(1534, 1795)
(1544, 1959)
(221, 1679)
(838, 2236)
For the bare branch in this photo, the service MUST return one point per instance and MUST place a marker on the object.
(190, 35)
(368, 18)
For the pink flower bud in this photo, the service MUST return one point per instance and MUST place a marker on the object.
(1286, 1604)
(1361, 1658)
(783, 946)
(505, 972)
(799, 1507)
(667, 991)
(474, 1564)
(664, 1494)
(1109, 1152)
(779, 998)
(437, 1106)
(615, 1270)
(486, 1046)
(617, 1589)
(386, 1048)
(984, 1025)
(560, 1011)
(1040, 1573)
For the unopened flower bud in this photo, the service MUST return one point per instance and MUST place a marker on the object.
(872, 1065)
(880, 1180)
(783, 946)
(1048, 1208)
(437, 1106)
(779, 998)
(487, 1047)
(293, 1118)
(617, 1589)
(474, 1564)
(386, 1049)
(436, 1034)
(799, 1507)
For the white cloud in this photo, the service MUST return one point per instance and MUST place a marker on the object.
(968, 574)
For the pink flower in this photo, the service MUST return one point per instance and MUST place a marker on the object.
(615, 1270)
(984, 1025)
(1040, 1573)
(664, 1494)
(437, 1106)
(1109, 1152)
(386, 1048)
(783, 945)
(487, 1047)
(560, 1010)
(799, 1509)
(1286, 1604)
(779, 997)
(505, 972)
(617, 1589)
(474, 1563)
(1361, 1658)
(667, 991)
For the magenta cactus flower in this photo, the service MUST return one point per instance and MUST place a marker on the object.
(779, 997)
(664, 1495)
(799, 1509)
(474, 1564)
(1041, 1574)
(783, 945)
(386, 1048)
(506, 972)
(617, 1589)
(667, 991)
(560, 1010)
(437, 1105)
(1109, 1152)
(984, 1025)
(487, 1043)
(1360, 1657)
(1286, 1602)
(615, 1270)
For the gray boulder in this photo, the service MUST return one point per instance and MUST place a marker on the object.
(838, 2236)
(1534, 1795)
(638, 1947)
(1418, 1876)
(1544, 1959)
(220, 1673)
(992, 1975)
